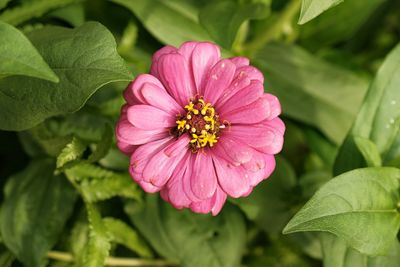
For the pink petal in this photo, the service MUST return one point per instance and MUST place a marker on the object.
(126, 148)
(255, 112)
(174, 73)
(221, 76)
(252, 72)
(233, 180)
(161, 166)
(159, 98)
(243, 97)
(220, 198)
(142, 156)
(129, 134)
(204, 206)
(236, 150)
(132, 94)
(186, 49)
(275, 106)
(176, 195)
(240, 61)
(149, 118)
(163, 51)
(239, 82)
(203, 181)
(148, 187)
(204, 56)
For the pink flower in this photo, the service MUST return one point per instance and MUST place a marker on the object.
(199, 128)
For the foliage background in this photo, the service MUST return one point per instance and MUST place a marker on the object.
(67, 198)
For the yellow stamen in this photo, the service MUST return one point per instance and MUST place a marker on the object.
(181, 124)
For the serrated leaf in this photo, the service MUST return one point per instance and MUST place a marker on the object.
(36, 207)
(19, 57)
(369, 151)
(98, 184)
(72, 151)
(32, 9)
(358, 206)
(377, 118)
(177, 234)
(222, 19)
(98, 246)
(84, 58)
(121, 233)
(312, 8)
(166, 17)
(305, 84)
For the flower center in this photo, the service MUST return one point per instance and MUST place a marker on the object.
(201, 123)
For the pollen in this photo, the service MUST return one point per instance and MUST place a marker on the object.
(202, 124)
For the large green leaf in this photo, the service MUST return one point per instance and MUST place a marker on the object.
(358, 206)
(377, 118)
(338, 254)
(311, 90)
(191, 239)
(36, 207)
(19, 57)
(312, 8)
(84, 59)
(222, 19)
(172, 22)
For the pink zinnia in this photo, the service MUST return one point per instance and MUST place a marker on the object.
(199, 128)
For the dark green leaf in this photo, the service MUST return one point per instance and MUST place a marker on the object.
(311, 90)
(84, 59)
(121, 233)
(312, 8)
(377, 118)
(103, 146)
(176, 235)
(222, 19)
(19, 57)
(363, 197)
(172, 22)
(36, 207)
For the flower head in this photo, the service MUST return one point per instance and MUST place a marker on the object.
(199, 128)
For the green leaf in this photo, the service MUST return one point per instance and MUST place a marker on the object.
(73, 151)
(84, 59)
(98, 184)
(176, 235)
(32, 9)
(338, 254)
(358, 206)
(338, 24)
(103, 146)
(121, 233)
(3, 3)
(369, 151)
(377, 118)
(268, 205)
(310, 90)
(171, 22)
(36, 207)
(98, 247)
(222, 19)
(313, 8)
(19, 57)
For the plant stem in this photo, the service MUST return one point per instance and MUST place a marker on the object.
(113, 261)
(282, 24)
